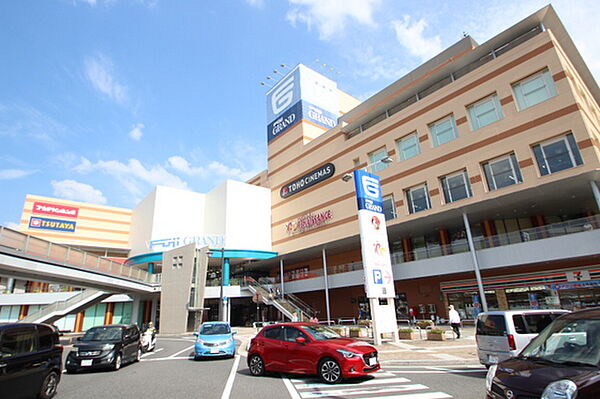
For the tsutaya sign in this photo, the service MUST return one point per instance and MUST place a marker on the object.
(377, 265)
(301, 94)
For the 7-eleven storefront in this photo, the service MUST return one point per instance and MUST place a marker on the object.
(571, 289)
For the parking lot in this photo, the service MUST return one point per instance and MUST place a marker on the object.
(171, 372)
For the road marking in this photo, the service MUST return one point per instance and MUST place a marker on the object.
(232, 373)
(365, 391)
(445, 356)
(436, 371)
(374, 381)
(168, 358)
(290, 387)
(427, 395)
(181, 351)
(153, 352)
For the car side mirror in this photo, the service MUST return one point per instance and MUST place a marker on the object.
(301, 340)
(233, 332)
(195, 334)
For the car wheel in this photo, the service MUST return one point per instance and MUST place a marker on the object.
(138, 356)
(49, 386)
(256, 365)
(117, 363)
(330, 371)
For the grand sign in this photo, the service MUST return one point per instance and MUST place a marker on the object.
(213, 241)
(310, 179)
(51, 224)
(55, 210)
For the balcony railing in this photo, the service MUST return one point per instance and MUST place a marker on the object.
(526, 235)
(31, 245)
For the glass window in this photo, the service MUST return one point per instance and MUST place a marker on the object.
(291, 333)
(375, 158)
(46, 337)
(484, 112)
(274, 333)
(534, 89)
(408, 146)
(493, 325)
(502, 172)
(456, 186)
(418, 199)
(16, 341)
(443, 130)
(389, 207)
(557, 154)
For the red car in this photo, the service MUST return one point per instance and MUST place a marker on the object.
(308, 348)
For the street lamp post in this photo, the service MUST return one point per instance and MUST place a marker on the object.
(221, 309)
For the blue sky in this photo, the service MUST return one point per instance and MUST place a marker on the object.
(101, 100)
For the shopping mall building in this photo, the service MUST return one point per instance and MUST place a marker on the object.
(500, 139)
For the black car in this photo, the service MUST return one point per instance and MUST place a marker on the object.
(563, 361)
(30, 361)
(107, 346)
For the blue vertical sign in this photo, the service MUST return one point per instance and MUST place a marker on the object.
(368, 191)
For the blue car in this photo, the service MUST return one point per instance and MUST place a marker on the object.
(215, 338)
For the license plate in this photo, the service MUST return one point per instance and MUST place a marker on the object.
(214, 350)
(493, 359)
(87, 362)
(372, 361)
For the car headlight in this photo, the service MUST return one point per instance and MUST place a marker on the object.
(561, 389)
(490, 376)
(347, 354)
(229, 340)
(200, 341)
(107, 347)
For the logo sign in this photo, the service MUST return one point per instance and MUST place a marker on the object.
(308, 222)
(55, 210)
(175, 242)
(377, 264)
(580, 275)
(51, 224)
(301, 94)
(310, 179)
(368, 191)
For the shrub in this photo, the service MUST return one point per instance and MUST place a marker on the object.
(405, 330)
(354, 329)
(425, 324)
(364, 322)
(437, 331)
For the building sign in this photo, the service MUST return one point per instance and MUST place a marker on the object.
(51, 224)
(213, 241)
(310, 179)
(55, 210)
(308, 222)
(301, 94)
(579, 275)
(572, 286)
(377, 264)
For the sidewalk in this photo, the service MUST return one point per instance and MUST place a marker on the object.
(452, 351)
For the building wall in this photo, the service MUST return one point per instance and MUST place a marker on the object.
(516, 132)
(95, 225)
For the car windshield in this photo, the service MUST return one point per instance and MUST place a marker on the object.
(321, 333)
(567, 341)
(214, 329)
(102, 334)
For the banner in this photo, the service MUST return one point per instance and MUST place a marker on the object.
(377, 264)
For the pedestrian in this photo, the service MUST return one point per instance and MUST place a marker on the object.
(294, 316)
(314, 319)
(454, 320)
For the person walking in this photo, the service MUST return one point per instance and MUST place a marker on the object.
(295, 316)
(454, 320)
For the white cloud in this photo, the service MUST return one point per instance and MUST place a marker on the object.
(133, 175)
(215, 169)
(411, 36)
(27, 122)
(256, 3)
(330, 17)
(99, 71)
(74, 190)
(136, 132)
(7, 174)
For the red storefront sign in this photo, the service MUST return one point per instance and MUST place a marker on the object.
(55, 210)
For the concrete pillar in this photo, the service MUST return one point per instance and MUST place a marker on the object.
(23, 311)
(79, 321)
(135, 309)
(10, 285)
(326, 285)
(407, 249)
(151, 267)
(445, 242)
(110, 310)
(154, 310)
(502, 299)
(226, 268)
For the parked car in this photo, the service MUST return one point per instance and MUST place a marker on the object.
(563, 361)
(503, 334)
(214, 338)
(30, 361)
(309, 348)
(108, 346)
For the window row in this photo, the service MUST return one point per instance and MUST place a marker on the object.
(528, 92)
(551, 156)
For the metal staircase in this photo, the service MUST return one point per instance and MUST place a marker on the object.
(286, 305)
(78, 302)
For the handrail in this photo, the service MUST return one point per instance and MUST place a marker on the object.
(299, 303)
(59, 306)
(39, 247)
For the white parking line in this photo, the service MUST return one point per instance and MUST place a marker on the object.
(374, 381)
(181, 351)
(153, 352)
(232, 373)
(290, 387)
(168, 358)
(364, 391)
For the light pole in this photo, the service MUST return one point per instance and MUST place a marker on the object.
(221, 310)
